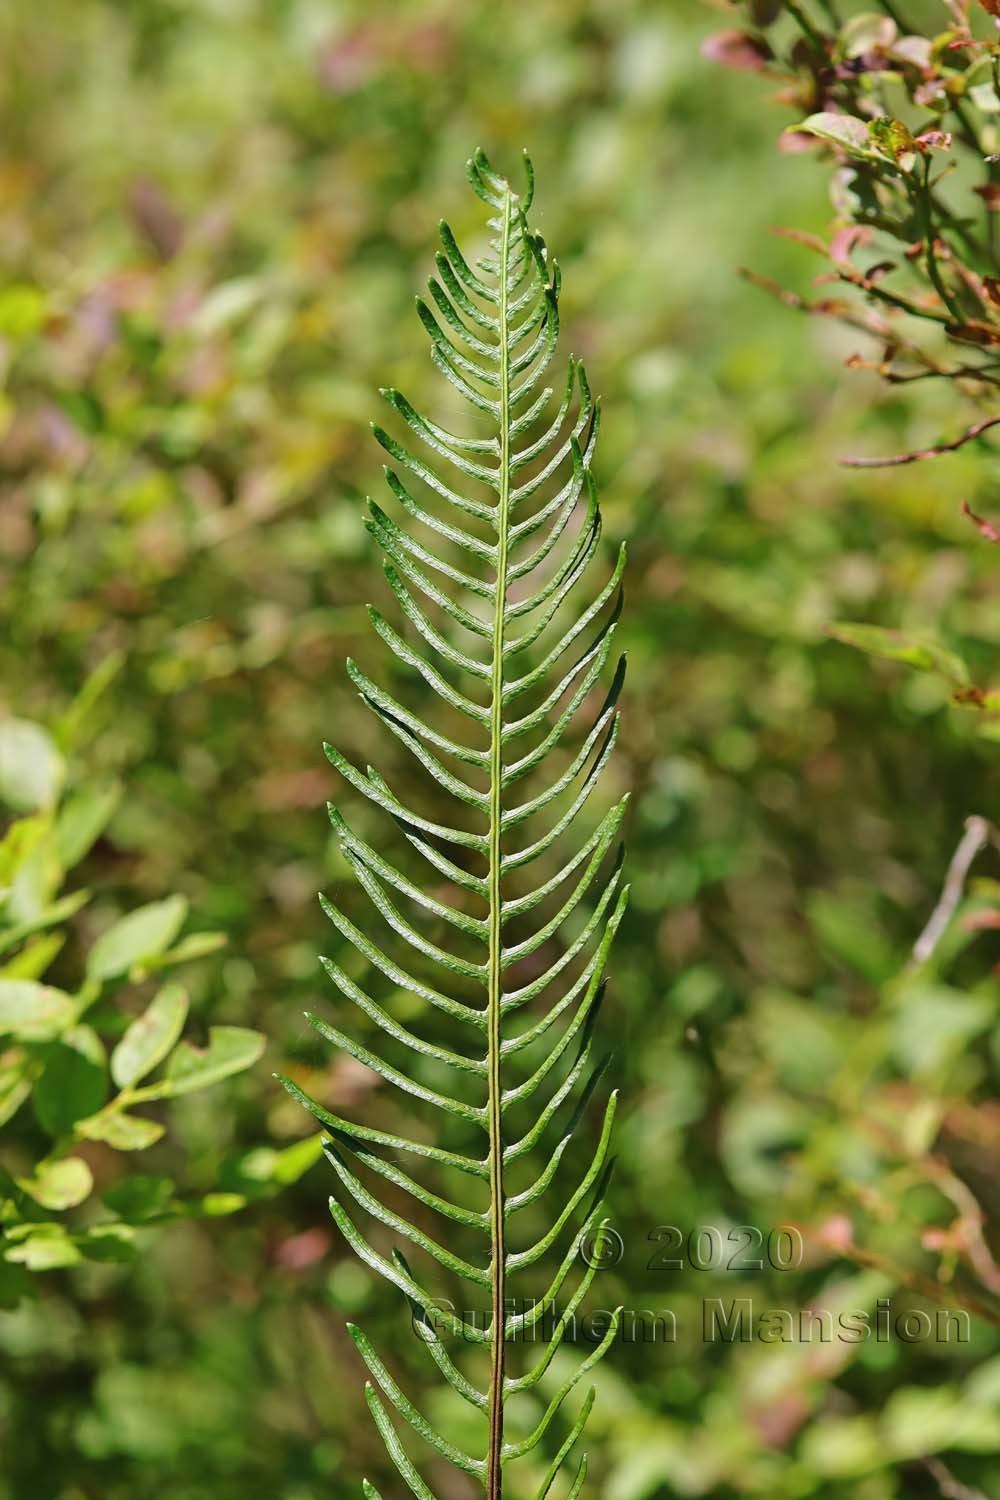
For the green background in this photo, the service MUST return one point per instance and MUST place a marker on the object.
(213, 218)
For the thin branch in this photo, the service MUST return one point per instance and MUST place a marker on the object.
(925, 1286)
(987, 528)
(978, 832)
(971, 1219)
(950, 1487)
(897, 459)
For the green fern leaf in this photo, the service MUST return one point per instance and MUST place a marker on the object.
(486, 563)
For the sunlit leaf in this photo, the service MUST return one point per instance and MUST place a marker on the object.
(123, 1131)
(231, 1049)
(141, 935)
(149, 1038)
(841, 130)
(46, 1248)
(34, 1012)
(31, 768)
(59, 1184)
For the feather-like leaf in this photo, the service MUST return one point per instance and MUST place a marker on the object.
(527, 530)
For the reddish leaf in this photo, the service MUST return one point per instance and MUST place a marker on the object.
(990, 194)
(837, 1234)
(156, 218)
(982, 921)
(793, 142)
(801, 237)
(737, 49)
(845, 240)
(300, 1251)
(987, 529)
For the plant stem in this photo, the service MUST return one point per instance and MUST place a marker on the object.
(494, 1472)
(806, 26)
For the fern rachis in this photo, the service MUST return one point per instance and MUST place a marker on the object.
(493, 333)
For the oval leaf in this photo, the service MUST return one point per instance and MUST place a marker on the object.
(59, 1184)
(230, 1049)
(31, 768)
(121, 1131)
(870, 32)
(148, 1040)
(737, 49)
(143, 934)
(843, 130)
(46, 1249)
(82, 819)
(34, 1012)
(74, 1082)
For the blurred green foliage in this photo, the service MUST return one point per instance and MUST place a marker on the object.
(83, 1100)
(213, 217)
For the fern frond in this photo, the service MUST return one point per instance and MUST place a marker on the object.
(493, 531)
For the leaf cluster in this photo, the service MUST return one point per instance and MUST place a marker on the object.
(905, 101)
(77, 1070)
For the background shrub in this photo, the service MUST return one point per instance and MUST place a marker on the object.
(212, 220)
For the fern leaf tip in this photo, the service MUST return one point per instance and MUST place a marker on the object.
(488, 296)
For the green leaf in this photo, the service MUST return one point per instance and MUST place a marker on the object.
(138, 1197)
(149, 1038)
(122, 1131)
(23, 310)
(34, 958)
(69, 728)
(231, 1049)
(31, 768)
(227, 303)
(841, 130)
(215, 1205)
(285, 1167)
(109, 1243)
(897, 645)
(136, 938)
(849, 930)
(49, 916)
(528, 525)
(918, 1420)
(81, 820)
(195, 945)
(15, 1285)
(18, 843)
(893, 139)
(34, 1012)
(864, 33)
(47, 1248)
(59, 1184)
(984, 97)
(73, 1082)
(932, 1024)
(18, 1071)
